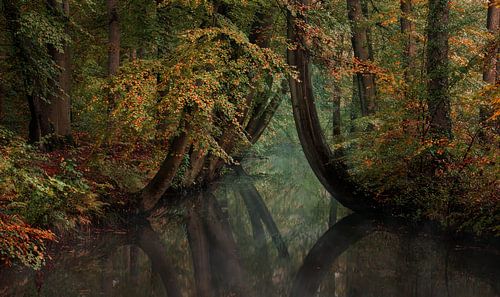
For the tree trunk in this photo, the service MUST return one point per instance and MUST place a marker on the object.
(58, 109)
(160, 183)
(259, 122)
(491, 64)
(438, 97)
(330, 172)
(1, 103)
(257, 117)
(360, 37)
(114, 37)
(490, 61)
(408, 32)
(34, 125)
(196, 161)
(46, 118)
(354, 106)
(336, 116)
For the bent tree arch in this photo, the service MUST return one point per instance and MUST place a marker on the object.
(329, 247)
(463, 258)
(331, 172)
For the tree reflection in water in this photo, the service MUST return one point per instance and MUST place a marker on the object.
(229, 243)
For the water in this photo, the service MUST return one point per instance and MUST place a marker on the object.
(275, 234)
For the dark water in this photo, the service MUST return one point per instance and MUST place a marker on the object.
(276, 233)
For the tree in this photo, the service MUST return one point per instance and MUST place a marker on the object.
(492, 24)
(438, 97)
(408, 31)
(232, 121)
(330, 172)
(42, 64)
(113, 37)
(153, 191)
(58, 109)
(491, 64)
(360, 37)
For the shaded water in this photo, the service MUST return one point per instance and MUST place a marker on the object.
(276, 233)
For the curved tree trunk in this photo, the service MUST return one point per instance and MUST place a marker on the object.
(332, 244)
(331, 173)
(160, 183)
(256, 118)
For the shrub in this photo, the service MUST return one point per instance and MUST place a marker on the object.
(42, 193)
(20, 242)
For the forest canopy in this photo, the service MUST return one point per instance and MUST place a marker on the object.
(110, 106)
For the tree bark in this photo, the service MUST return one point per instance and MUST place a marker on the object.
(258, 123)
(160, 183)
(360, 38)
(1, 102)
(47, 118)
(408, 32)
(196, 161)
(438, 98)
(330, 172)
(490, 61)
(58, 109)
(34, 133)
(114, 37)
(336, 115)
(354, 106)
(257, 117)
(491, 64)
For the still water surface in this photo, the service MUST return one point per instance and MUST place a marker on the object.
(274, 233)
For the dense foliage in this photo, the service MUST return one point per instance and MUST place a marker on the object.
(109, 105)
(20, 242)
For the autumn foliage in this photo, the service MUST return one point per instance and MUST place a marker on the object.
(22, 243)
